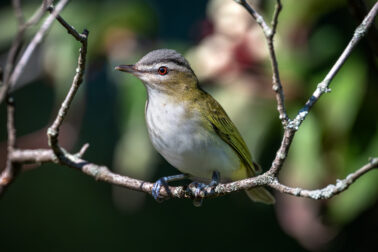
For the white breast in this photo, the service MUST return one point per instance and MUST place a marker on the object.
(180, 137)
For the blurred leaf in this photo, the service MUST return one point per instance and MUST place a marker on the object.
(304, 167)
(362, 194)
(251, 116)
(340, 107)
(134, 153)
(324, 44)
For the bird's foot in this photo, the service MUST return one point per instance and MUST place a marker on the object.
(156, 189)
(164, 182)
(201, 190)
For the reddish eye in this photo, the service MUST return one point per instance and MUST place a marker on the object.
(163, 70)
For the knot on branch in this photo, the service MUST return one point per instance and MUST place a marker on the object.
(323, 87)
(52, 132)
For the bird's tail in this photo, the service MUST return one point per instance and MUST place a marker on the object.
(260, 194)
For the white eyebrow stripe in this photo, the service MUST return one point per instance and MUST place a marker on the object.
(170, 65)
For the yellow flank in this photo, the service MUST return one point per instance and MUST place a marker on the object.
(241, 173)
(227, 131)
(219, 121)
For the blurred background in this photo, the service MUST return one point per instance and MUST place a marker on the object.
(54, 208)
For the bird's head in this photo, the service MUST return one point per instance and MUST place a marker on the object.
(163, 70)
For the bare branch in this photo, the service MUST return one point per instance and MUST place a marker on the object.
(17, 43)
(53, 131)
(18, 11)
(323, 86)
(269, 35)
(282, 152)
(37, 39)
(293, 125)
(259, 18)
(11, 168)
(36, 156)
(82, 151)
(39, 13)
(70, 29)
(330, 190)
(102, 173)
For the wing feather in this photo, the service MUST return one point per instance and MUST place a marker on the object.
(228, 132)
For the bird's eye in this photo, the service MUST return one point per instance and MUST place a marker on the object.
(163, 70)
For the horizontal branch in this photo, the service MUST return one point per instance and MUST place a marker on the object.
(102, 173)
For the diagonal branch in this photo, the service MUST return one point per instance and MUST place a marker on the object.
(18, 12)
(17, 42)
(37, 39)
(330, 190)
(323, 86)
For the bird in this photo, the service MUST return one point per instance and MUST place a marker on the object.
(189, 128)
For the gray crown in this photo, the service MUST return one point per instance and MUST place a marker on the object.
(163, 55)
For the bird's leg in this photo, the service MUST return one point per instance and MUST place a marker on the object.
(164, 182)
(200, 189)
(215, 179)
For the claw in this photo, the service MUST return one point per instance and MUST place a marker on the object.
(200, 190)
(156, 188)
(197, 202)
(164, 182)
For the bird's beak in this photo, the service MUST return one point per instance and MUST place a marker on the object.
(126, 68)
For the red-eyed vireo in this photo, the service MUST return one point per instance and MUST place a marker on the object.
(189, 128)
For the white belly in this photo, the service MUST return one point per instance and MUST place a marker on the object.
(184, 142)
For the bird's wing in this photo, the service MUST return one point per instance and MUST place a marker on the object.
(228, 132)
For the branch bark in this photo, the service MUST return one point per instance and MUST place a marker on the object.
(323, 86)
(17, 43)
(11, 168)
(102, 173)
(37, 39)
(269, 33)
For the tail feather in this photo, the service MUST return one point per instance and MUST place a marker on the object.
(260, 194)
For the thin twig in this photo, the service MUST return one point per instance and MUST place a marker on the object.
(10, 170)
(37, 39)
(17, 43)
(282, 152)
(39, 13)
(277, 85)
(259, 18)
(293, 125)
(269, 36)
(18, 12)
(323, 86)
(70, 29)
(330, 190)
(53, 131)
